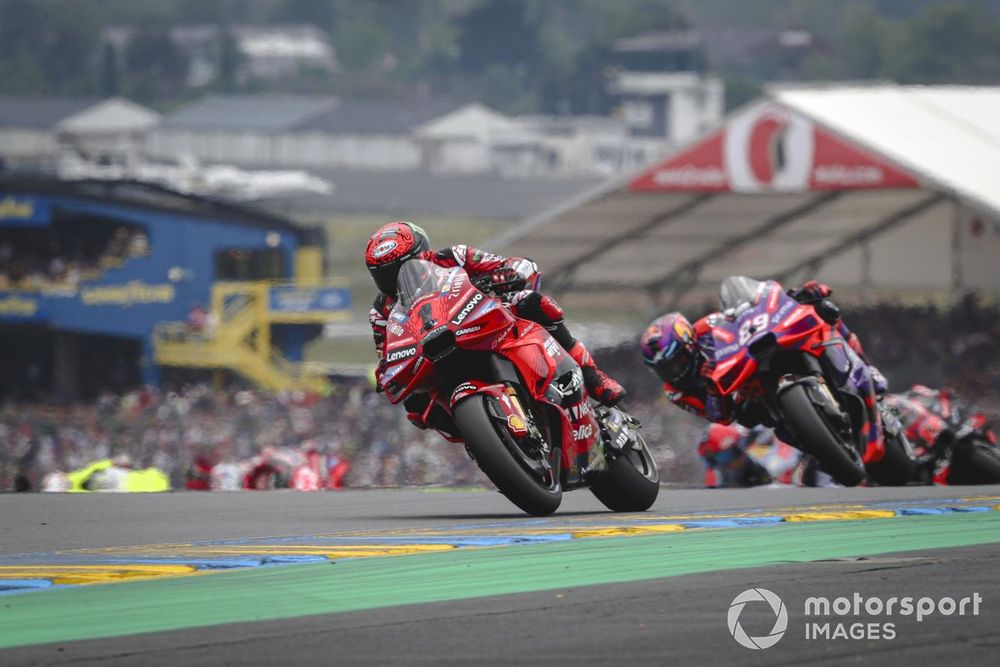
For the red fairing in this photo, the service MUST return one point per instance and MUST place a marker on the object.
(515, 420)
(733, 373)
(804, 330)
(800, 328)
(479, 322)
(475, 319)
(471, 387)
(475, 262)
(537, 356)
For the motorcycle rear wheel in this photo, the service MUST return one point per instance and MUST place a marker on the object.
(489, 444)
(979, 463)
(814, 436)
(896, 468)
(631, 482)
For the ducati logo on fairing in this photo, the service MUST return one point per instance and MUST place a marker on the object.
(467, 308)
(400, 354)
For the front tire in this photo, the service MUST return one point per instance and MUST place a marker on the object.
(631, 482)
(488, 442)
(813, 436)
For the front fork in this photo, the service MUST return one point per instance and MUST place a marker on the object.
(505, 407)
(618, 428)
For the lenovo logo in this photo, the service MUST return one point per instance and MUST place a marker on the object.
(399, 355)
(468, 308)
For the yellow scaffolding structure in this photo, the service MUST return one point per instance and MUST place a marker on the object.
(237, 336)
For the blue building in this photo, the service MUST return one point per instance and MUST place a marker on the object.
(104, 284)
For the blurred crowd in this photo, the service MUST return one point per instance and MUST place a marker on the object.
(955, 347)
(202, 438)
(42, 261)
(353, 438)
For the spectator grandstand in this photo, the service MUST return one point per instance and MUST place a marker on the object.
(97, 278)
(60, 258)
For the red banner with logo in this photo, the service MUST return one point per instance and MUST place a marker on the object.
(769, 148)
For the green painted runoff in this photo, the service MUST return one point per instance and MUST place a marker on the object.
(267, 593)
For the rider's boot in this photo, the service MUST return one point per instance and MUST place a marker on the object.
(599, 385)
(880, 384)
(544, 310)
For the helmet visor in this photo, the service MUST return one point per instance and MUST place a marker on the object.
(386, 277)
(673, 365)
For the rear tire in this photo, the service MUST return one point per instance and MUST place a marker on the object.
(896, 468)
(978, 464)
(489, 447)
(813, 436)
(631, 482)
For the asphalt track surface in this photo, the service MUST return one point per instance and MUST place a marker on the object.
(676, 619)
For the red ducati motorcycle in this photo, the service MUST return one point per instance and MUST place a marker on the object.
(506, 389)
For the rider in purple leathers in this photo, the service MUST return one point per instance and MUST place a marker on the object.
(682, 356)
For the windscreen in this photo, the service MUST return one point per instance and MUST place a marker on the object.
(419, 278)
(736, 290)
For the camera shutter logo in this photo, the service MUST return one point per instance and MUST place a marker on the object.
(780, 618)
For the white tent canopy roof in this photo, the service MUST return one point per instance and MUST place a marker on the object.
(947, 135)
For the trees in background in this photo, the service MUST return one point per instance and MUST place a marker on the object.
(518, 55)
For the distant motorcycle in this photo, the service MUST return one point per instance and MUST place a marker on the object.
(784, 361)
(953, 444)
(507, 389)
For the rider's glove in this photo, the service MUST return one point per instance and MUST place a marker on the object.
(817, 294)
(506, 280)
(811, 292)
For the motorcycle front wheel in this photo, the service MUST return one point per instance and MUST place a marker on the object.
(491, 445)
(814, 436)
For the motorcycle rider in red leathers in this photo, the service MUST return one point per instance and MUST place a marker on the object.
(942, 429)
(394, 243)
(681, 355)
